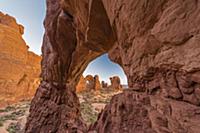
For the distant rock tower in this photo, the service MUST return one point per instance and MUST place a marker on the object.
(104, 84)
(115, 83)
(97, 83)
(81, 85)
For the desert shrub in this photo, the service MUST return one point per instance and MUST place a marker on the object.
(13, 128)
(7, 109)
(87, 113)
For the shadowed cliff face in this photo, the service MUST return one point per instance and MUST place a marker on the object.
(155, 42)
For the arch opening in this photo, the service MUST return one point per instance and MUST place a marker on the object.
(101, 80)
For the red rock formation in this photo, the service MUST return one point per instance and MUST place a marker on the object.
(81, 86)
(156, 43)
(104, 84)
(97, 83)
(90, 83)
(20, 68)
(128, 111)
(115, 83)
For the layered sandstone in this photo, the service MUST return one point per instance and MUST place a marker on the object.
(20, 68)
(155, 42)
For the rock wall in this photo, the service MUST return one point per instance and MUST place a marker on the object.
(156, 43)
(20, 68)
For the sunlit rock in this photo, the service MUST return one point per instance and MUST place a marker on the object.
(115, 83)
(19, 68)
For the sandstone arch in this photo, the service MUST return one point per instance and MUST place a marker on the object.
(90, 84)
(161, 63)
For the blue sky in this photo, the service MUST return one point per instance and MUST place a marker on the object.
(105, 68)
(31, 13)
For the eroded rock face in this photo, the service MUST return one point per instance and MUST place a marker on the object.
(97, 83)
(156, 43)
(20, 68)
(115, 83)
(168, 93)
(139, 112)
(81, 86)
(125, 108)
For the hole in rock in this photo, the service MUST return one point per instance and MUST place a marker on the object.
(101, 80)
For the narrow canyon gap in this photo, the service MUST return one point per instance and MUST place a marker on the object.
(155, 42)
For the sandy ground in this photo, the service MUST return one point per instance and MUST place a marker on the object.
(13, 117)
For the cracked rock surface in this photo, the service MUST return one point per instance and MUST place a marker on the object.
(155, 42)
